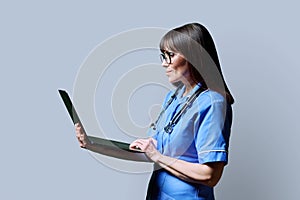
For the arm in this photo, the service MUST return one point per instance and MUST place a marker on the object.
(208, 174)
(112, 152)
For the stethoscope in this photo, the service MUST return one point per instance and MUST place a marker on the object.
(174, 120)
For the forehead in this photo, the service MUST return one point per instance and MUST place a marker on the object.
(167, 46)
(173, 41)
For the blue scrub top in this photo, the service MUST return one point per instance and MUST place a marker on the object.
(200, 136)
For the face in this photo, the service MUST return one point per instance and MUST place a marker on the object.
(177, 68)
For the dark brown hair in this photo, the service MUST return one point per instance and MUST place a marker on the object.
(196, 44)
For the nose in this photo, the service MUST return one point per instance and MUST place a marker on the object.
(164, 63)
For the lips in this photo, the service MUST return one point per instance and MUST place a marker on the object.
(168, 72)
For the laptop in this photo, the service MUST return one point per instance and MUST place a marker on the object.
(95, 140)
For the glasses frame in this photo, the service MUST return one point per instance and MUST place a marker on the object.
(167, 56)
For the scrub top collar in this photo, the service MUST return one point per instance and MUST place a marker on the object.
(182, 99)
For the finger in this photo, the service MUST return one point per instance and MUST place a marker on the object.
(78, 128)
(79, 139)
(153, 142)
(135, 145)
(136, 142)
(132, 145)
(136, 148)
(77, 131)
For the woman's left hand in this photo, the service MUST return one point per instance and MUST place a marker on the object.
(148, 146)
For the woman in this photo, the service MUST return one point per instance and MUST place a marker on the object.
(189, 140)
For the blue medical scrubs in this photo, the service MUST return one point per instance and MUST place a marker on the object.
(200, 136)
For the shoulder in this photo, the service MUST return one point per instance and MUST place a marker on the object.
(211, 101)
(213, 106)
(210, 97)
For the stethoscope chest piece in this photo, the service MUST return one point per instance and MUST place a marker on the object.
(168, 128)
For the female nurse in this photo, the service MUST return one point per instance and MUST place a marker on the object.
(189, 141)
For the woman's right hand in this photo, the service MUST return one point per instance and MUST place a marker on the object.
(148, 146)
(83, 140)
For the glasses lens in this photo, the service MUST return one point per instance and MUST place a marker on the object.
(162, 57)
(165, 57)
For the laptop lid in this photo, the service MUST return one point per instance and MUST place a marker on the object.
(95, 140)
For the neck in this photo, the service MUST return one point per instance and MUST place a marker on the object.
(188, 87)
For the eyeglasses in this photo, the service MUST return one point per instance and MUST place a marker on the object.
(166, 56)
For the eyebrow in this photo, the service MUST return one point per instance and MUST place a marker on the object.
(166, 51)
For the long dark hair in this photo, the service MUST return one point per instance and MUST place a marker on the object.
(196, 44)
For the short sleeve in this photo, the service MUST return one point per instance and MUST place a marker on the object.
(212, 133)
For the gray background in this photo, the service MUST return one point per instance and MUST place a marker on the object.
(43, 44)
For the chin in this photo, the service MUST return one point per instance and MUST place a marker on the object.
(174, 82)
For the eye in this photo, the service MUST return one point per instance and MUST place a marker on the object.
(171, 54)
